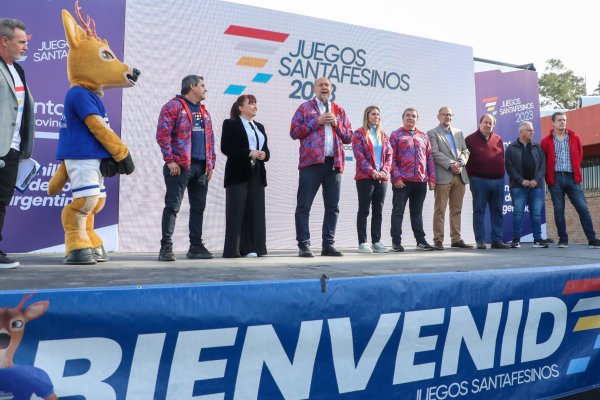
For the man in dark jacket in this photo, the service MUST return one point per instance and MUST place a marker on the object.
(526, 166)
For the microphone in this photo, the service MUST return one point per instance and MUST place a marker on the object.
(2, 163)
(327, 107)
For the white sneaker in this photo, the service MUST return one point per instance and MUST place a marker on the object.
(364, 248)
(251, 255)
(379, 248)
(7, 262)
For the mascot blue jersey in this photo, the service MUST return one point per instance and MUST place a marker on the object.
(75, 141)
(20, 382)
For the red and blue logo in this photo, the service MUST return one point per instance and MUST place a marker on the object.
(490, 105)
(256, 45)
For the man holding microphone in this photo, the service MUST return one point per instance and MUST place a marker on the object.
(322, 128)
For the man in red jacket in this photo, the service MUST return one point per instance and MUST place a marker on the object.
(564, 153)
(187, 142)
(322, 127)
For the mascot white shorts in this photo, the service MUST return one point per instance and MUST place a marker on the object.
(86, 179)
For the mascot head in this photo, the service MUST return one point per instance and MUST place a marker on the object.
(12, 327)
(91, 62)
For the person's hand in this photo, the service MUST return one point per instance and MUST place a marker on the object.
(533, 183)
(399, 185)
(334, 121)
(525, 183)
(261, 155)
(431, 185)
(174, 168)
(455, 167)
(327, 118)
(253, 154)
(209, 175)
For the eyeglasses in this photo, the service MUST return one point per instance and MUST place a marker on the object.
(447, 115)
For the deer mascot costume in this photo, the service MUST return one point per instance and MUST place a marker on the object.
(89, 148)
(21, 381)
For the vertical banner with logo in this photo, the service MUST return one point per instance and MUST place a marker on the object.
(33, 219)
(485, 335)
(512, 98)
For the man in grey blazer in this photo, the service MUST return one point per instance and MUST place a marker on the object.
(450, 154)
(17, 127)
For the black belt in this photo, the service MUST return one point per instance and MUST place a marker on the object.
(328, 159)
(563, 173)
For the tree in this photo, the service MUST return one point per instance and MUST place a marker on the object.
(596, 91)
(559, 86)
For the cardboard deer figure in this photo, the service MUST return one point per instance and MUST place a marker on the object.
(20, 382)
(89, 148)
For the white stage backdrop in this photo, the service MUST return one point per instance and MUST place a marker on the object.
(275, 56)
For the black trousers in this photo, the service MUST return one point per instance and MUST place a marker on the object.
(195, 181)
(8, 178)
(414, 193)
(311, 178)
(245, 228)
(371, 194)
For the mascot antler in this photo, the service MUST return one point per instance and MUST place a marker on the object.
(88, 23)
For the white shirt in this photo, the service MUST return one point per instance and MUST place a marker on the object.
(20, 90)
(328, 131)
(251, 136)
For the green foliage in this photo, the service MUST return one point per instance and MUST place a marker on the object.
(596, 91)
(559, 86)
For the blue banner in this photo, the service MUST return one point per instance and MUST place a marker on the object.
(516, 334)
(512, 98)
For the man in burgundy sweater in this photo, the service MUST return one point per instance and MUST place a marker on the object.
(486, 177)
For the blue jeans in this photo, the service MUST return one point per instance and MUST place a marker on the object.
(565, 184)
(487, 193)
(534, 198)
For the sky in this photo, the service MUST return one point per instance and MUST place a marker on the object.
(511, 31)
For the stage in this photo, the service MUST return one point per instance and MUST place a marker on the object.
(45, 271)
(475, 324)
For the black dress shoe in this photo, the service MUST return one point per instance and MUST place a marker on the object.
(80, 257)
(461, 245)
(304, 251)
(330, 251)
(500, 245)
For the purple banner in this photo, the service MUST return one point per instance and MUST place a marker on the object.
(512, 98)
(33, 219)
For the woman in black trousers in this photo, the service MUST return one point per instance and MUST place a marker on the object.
(373, 155)
(244, 142)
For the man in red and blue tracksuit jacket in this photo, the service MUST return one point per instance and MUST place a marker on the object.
(322, 128)
(187, 142)
(413, 171)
